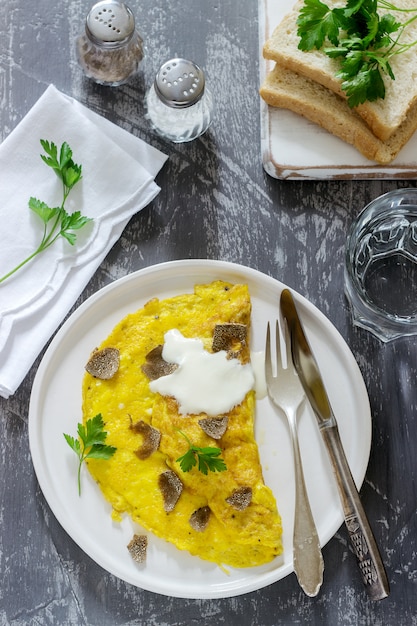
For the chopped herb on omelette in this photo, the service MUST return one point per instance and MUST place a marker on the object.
(227, 516)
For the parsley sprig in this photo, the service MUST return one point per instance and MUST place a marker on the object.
(207, 458)
(363, 40)
(90, 443)
(56, 221)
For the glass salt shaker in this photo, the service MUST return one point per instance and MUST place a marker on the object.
(111, 49)
(178, 104)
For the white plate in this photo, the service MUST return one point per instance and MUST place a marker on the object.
(55, 408)
(294, 148)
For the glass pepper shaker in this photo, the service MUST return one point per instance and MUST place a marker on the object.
(178, 104)
(110, 50)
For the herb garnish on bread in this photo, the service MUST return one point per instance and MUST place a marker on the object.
(384, 115)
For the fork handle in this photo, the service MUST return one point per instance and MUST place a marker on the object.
(360, 533)
(307, 556)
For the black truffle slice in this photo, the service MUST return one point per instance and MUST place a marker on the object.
(230, 337)
(155, 366)
(240, 498)
(200, 518)
(151, 439)
(171, 488)
(103, 363)
(214, 426)
(138, 547)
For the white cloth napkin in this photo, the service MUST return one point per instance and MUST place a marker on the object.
(118, 180)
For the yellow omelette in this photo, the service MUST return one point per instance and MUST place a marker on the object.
(228, 517)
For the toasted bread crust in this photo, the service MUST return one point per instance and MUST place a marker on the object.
(286, 89)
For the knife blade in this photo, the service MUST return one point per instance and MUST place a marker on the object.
(360, 533)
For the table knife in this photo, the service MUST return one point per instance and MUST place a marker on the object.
(360, 533)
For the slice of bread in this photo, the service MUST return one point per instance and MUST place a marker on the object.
(384, 116)
(286, 89)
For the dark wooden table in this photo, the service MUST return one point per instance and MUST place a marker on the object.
(216, 202)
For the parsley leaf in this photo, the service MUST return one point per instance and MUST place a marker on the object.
(317, 22)
(362, 40)
(56, 221)
(68, 171)
(208, 458)
(90, 443)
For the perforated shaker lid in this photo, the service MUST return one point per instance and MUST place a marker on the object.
(110, 23)
(179, 83)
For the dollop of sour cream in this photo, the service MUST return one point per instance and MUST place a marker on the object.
(203, 382)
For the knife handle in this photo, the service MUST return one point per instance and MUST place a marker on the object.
(357, 524)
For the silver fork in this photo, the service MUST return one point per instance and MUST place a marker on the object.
(287, 394)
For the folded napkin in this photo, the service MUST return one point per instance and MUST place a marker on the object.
(118, 180)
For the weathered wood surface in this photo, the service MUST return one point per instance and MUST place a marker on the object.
(217, 203)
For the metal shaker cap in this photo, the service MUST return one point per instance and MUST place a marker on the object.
(110, 23)
(179, 83)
